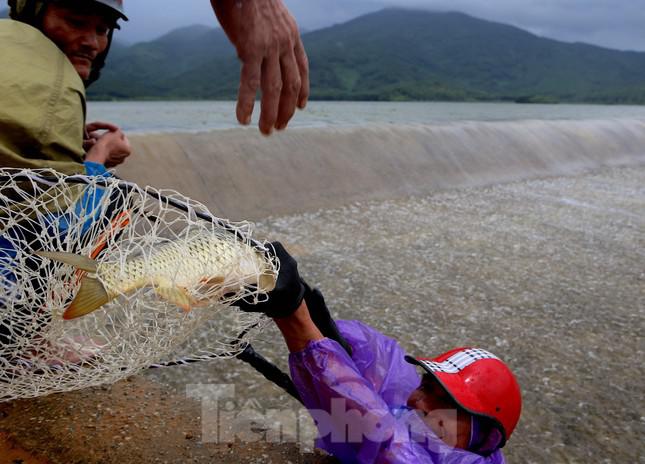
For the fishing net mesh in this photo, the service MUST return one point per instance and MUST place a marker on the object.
(116, 223)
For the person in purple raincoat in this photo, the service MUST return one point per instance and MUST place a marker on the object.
(373, 407)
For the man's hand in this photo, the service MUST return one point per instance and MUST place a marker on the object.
(93, 132)
(267, 41)
(106, 144)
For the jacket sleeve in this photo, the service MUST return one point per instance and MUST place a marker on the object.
(380, 359)
(350, 398)
(344, 404)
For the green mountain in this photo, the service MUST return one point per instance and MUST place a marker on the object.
(393, 54)
(169, 67)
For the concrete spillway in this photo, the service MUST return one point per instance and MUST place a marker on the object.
(239, 174)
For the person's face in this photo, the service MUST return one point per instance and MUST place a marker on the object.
(82, 36)
(440, 413)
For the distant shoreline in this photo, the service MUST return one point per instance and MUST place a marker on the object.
(520, 101)
(165, 116)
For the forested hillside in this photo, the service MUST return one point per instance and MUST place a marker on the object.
(393, 54)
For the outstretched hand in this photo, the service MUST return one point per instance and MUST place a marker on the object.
(267, 41)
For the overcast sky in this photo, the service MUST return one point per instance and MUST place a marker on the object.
(616, 24)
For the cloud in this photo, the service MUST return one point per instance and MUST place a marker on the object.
(610, 23)
(151, 18)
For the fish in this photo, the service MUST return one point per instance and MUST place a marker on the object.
(188, 273)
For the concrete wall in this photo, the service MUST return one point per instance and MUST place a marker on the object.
(239, 174)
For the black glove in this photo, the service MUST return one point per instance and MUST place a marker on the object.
(289, 289)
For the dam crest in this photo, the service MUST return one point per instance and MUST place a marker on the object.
(239, 174)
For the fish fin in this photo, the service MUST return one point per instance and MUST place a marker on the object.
(90, 297)
(80, 262)
(176, 295)
(267, 282)
(119, 223)
(213, 281)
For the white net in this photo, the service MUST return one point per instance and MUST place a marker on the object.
(100, 278)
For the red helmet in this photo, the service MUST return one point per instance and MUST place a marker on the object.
(480, 383)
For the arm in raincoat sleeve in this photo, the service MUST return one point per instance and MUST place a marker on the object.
(351, 400)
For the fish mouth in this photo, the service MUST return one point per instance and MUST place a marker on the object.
(267, 282)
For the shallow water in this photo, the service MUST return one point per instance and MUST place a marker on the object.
(196, 116)
(548, 274)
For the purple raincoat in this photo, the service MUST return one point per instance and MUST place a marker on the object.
(358, 402)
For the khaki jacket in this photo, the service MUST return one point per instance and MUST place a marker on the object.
(42, 102)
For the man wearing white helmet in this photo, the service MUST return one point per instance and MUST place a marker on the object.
(51, 51)
(368, 401)
(42, 130)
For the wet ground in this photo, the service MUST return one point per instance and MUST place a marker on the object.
(548, 274)
(131, 422)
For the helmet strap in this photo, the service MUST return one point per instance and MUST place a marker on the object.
(485, 438)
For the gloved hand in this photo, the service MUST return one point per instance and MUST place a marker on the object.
(289, 289)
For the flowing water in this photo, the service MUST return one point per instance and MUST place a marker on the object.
(520, 229)
(196, 116)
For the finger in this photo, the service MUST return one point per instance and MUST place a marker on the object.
(290, 90)
(303, 67)
(249, 84)
(101, 125)
(117, 160)
(271, 90)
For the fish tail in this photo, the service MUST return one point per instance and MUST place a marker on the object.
(90, 297)
(80, 262)
(91, 294)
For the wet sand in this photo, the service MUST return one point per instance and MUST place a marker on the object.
(133, 421)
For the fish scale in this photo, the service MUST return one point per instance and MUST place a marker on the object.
(188, 274)
(184, 265)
